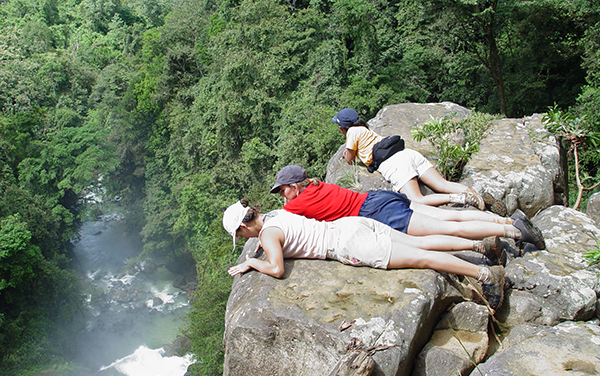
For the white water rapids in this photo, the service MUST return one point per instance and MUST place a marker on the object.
(132, 313)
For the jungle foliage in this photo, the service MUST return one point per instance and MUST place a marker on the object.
(183, 107)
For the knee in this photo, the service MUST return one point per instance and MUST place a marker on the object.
(419, 199)
(425, 261)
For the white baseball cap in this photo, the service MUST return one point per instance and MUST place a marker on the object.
(232, 218)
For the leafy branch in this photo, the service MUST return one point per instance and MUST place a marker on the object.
(593, 255)
(575, 131)
(455, 141)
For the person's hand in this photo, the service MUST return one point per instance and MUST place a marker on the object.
(240, 268)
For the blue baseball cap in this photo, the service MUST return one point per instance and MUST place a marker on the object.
(345, 118)
(288, 175)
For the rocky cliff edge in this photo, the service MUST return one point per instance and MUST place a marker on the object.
(420, 322)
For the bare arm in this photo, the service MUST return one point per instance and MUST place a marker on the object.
(349, 155)
(271, 240)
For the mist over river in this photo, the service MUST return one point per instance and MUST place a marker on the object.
(132, 311)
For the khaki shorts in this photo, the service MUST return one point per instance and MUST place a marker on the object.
(403, 166)
(360, 241)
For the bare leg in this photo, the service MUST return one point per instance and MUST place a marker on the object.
(413, 192)
(436, 242)
(405, 256)
(437, 183)
(421, 224)
(458, 215)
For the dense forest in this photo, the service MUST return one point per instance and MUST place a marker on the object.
(181, 107)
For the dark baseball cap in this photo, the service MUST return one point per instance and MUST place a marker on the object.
(345, 118)
(288, 175)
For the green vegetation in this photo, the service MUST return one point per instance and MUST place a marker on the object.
(455, 140)
(593, 256)
(579, 136)
(183, 107)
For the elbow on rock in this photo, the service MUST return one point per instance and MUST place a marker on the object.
(278, 272)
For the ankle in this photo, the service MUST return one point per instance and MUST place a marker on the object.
(512, 232)
(479, 247)
(457, 198)
(484, 275)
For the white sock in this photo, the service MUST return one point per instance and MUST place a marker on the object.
(512, 232)
(457, 198)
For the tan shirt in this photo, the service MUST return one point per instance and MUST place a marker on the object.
(362, 140)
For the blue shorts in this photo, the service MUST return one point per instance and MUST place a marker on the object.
(391, 208)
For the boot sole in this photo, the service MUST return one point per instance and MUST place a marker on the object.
(493, 205)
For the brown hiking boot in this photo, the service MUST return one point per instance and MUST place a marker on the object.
(472, 198)
(493, 290)
(503, 257)
(493, 249)
(493, 205)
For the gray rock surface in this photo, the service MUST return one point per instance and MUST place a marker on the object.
(521, 164)
(593, 207)
(556, 284)
(459, 339)
(566, 349)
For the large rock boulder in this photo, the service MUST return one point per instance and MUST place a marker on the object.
(546, 292)
(519, 162)
(423, 322)
(291, 326)
(568, 348)
(459, 341)
(593, 207)
(556, 284)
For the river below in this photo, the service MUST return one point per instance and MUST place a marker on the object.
(133, 311)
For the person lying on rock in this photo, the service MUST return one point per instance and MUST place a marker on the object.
(328, 202)
(404, 168)
(355, 241)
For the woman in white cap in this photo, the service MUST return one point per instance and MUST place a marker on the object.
(354, 241)
(327, 202)
(406, 167)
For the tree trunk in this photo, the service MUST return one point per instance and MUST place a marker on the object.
(494, 64)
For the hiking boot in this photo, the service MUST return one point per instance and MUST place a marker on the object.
(493, 205)
(518, 214)
(530, 233)
(504, 257)
(472, 198)
(493, 290)
(493, 249)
